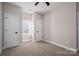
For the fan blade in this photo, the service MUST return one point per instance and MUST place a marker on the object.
(36, 3)
(47, 3)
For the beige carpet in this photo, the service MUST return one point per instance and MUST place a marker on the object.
(36, 49)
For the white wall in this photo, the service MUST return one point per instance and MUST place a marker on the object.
(12, 8)
(0, 26)
(59, 25)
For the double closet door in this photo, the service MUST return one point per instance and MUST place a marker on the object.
(11, 30)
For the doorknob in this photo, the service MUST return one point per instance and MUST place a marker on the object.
(37, 31)
(16, 32)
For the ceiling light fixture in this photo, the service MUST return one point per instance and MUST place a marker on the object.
(47, 3)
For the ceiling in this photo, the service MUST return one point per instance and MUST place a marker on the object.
(42, 8)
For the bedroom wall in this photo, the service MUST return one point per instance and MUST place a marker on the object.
(59, 25)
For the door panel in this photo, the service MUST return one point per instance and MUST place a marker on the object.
(11, 30)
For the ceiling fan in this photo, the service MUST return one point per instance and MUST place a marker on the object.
(47, 3)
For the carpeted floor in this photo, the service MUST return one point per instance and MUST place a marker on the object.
(37, 49)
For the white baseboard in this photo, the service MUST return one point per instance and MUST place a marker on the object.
(38, 40)
(62, 46)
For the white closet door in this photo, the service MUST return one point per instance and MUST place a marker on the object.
(11, 30)
(38, 27)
